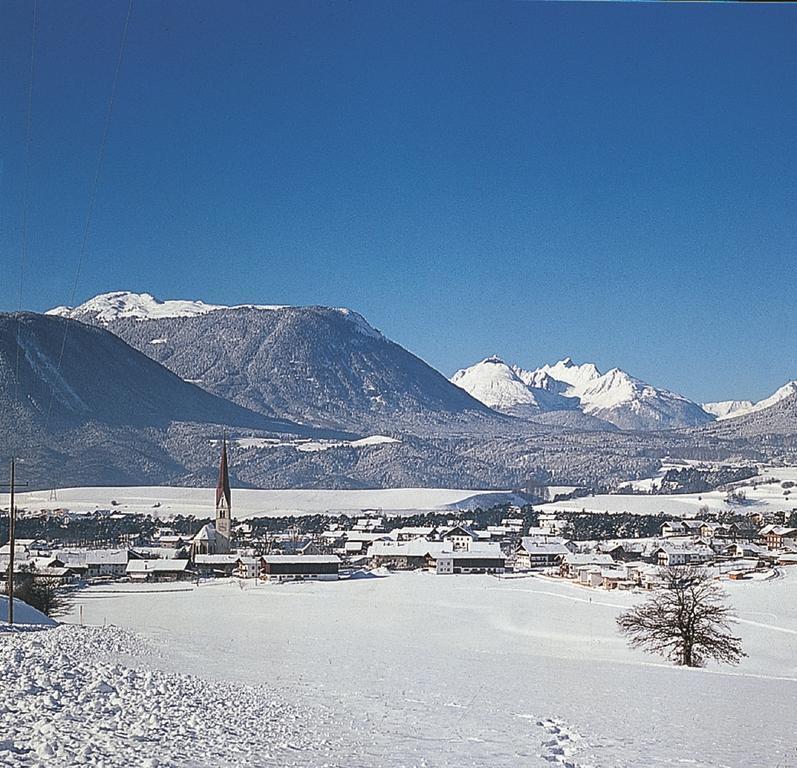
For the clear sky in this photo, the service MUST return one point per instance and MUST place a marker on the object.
(613, 182)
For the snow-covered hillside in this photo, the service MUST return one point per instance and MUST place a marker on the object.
(728, 409)
(615, 397)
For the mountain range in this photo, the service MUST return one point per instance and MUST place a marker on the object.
(145, 386)
(315, 365)
(615, 397)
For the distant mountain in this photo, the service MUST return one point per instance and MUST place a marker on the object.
(614, 397)
(316, 365)
(725, 409)
(777, 419)
(501, 387)
(103, 413)
(729, 409)
(80, 374)
(108, 415)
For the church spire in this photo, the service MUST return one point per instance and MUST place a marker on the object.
(223, 496)
(223, 486)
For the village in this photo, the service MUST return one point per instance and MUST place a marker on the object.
(522, 543)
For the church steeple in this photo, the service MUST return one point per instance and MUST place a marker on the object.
(223, 496)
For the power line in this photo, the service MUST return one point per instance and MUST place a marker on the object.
(26, 192)
(92, 199)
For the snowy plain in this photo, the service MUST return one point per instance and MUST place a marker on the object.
(173, 501)
(760, 496)
(455, 671)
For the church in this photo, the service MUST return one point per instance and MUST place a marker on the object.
(214, 539)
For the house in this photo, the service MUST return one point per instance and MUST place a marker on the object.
(172, 540)
(299, 567)
(778, 536)
(572, 562)
(670, 555)
(405, 555)
(370, 524)
(158, 570)
(616, 578)
(537, 553)
(471, 561)
(357, 542)
(687, 528)
(553, 525)
(459, 537)
(53, 573)
(407, 533)
(589, 575)
(160, 553)
(746, 550)
(208, 566)
(97, 563)
(247, 567)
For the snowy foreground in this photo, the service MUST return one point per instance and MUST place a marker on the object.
(407, 670)
(77, 695)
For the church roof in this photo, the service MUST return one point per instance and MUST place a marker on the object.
(206, 533)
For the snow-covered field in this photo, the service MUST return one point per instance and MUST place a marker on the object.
(247, 503)
(413, 670)
(763, 498)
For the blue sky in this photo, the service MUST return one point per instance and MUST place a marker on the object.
(613, 182)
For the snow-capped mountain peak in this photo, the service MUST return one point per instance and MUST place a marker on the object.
(119, 305)
(614, 396)
(496, 385)
(577, 376)
(725, 409)
(140, 306)
(728, 409)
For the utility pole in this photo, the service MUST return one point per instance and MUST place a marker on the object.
(12, 539)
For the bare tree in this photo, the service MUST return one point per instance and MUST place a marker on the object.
(686, 621)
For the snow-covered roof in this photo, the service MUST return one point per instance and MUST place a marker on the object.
(156, 566)
(365, 536)
(780, 530)
(275, 559)
(459, 530)
(537, 547)
(90, 557)
(207, 533)
(473, 554)
(592, 558)
(412, 548)
(215, 559)
(409, 530)
(166, 553)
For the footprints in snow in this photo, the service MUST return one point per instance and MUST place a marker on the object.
(560, 743)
